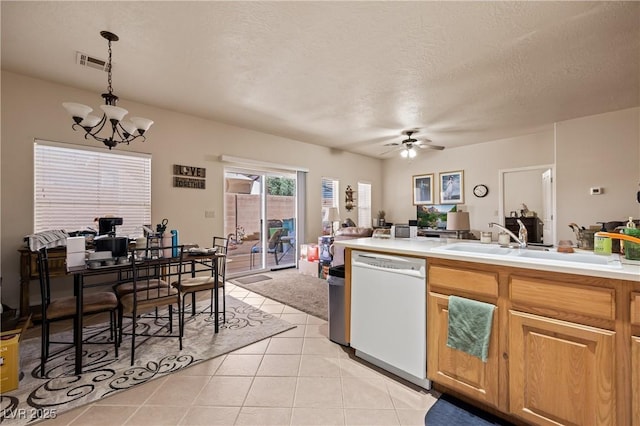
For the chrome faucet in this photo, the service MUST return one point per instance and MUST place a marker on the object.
(521, 239)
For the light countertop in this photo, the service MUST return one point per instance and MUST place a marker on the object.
(618, 268)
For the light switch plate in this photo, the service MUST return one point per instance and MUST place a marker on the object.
(596, 190)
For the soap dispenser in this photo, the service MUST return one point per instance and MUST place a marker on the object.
(602, 245)
(631, 224)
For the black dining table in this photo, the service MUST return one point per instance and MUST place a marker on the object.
(123, 273)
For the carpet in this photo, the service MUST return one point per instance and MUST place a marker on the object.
(303, 292)
(450, 411)
(104, 375)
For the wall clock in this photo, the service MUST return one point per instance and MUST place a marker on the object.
(480, 190)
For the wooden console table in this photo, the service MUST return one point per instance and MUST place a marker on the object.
(29, 271)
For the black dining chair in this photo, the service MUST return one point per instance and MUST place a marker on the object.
(64, 308)
(191, 285)
(146, 292)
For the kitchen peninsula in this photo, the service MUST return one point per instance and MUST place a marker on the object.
(565, 337)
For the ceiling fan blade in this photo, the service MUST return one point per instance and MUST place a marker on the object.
(391, 144)
(436, 147)
(388, 151)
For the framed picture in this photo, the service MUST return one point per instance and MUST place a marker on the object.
(423, 189)
(452, 187)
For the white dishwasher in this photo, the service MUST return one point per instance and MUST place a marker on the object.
(389, 313)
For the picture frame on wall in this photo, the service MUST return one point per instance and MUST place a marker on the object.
(452, 187)
(422, 189)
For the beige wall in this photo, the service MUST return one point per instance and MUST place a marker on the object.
(31, 108)
(480, 163)
(600, 150)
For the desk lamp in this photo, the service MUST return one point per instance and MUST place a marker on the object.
(333, 215)
(458, 221)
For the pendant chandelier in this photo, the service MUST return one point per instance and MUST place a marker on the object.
(116, 129)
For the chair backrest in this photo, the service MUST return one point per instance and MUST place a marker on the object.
(148, 272)
(45, 280)
(221, 245)
(275, 238)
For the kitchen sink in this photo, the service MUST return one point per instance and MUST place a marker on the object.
(475, 248)
(589, 258)
(529, 254)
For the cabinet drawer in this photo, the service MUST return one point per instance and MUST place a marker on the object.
(588, 301)
(635, 308)
(475, 282)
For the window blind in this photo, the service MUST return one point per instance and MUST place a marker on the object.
(329, 192)
(75, 185)
(364, 204)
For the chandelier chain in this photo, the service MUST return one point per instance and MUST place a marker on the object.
(109, 88)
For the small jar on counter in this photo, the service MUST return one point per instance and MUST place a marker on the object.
(485, 237)
(503, 238)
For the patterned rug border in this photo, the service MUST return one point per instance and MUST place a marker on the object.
(104, 375)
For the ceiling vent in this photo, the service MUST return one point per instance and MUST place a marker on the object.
(91, 62)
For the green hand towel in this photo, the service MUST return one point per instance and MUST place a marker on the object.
(470, 326)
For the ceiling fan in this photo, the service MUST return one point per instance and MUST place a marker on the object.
(408, 145)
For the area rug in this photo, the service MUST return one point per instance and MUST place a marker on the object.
(303, 292)
(450, 411)
(104, 374)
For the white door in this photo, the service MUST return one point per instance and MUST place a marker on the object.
(548, 236)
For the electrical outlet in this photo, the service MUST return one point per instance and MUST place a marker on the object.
(209, 214)
(596, 190)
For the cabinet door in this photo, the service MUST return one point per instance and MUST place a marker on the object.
(560, 372)
(456, 369)
(635, 380)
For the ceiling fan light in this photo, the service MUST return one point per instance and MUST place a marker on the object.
(411, 152)
(404, 153)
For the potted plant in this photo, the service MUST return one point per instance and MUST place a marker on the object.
(380, 217)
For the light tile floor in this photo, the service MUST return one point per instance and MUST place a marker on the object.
(298, 377)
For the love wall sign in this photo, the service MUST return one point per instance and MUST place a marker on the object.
(189, 176)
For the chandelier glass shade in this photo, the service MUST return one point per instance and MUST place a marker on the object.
(116, 129)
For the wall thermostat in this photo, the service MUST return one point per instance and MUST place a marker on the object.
(596, 190)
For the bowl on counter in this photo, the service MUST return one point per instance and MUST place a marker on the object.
(94, 263)
(109, 262)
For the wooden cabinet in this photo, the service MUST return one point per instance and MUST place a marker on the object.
(458, 370)
(560, 372)
(635, 380)
(561, 351)
(635, 358)
(564, 349)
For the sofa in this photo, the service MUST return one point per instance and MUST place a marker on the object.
(346, 233)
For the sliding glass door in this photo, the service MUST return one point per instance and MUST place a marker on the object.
(260, 220)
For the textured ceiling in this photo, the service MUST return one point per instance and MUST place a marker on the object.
(348, 75)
